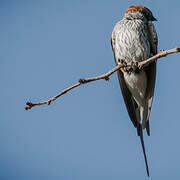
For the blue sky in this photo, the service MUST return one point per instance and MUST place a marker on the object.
(47, 46)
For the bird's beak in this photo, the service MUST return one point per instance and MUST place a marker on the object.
(153, 19)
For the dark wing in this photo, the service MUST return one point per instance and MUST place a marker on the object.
(128, 99)
(151, 71)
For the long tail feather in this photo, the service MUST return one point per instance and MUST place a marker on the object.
(144, 152)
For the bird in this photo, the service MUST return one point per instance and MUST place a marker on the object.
(134, 39)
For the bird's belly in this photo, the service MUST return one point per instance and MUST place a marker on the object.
(137, 84)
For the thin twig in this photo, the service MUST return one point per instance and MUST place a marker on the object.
(105, 76)
(161, 54)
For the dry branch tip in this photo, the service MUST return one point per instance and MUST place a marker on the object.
(29, 105)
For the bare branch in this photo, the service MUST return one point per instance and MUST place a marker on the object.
(105, 76)
(161, 54)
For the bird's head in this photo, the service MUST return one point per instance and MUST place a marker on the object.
(139, 12)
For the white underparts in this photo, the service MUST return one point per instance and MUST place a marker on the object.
(137, 84)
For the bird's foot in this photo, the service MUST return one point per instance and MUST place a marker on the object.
(124, 63)
(134, 67)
